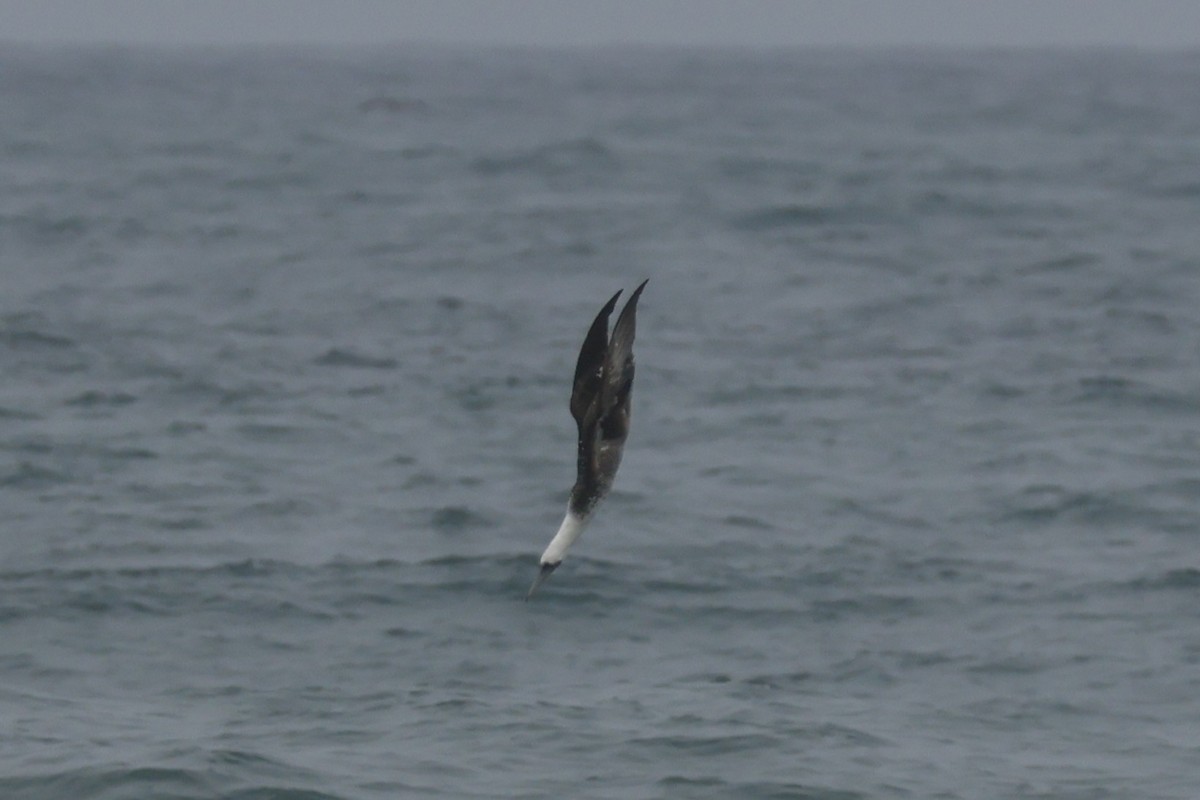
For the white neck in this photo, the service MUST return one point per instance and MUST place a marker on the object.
(568, 532)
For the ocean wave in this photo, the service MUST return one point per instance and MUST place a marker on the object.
(339, 357)
(136, 783)
(1120, 390)
(1179, 579)
(783, 217)
(557, 158)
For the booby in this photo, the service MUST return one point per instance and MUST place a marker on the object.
(600, 405)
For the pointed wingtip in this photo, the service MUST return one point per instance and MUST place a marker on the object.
(625, 322)
(612, 301)
(633, 298)
(611, 304)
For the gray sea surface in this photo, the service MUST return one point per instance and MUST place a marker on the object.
(910, 504)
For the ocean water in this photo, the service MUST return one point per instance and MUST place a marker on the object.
(910, 504)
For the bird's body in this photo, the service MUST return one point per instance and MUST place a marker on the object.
(600, 404)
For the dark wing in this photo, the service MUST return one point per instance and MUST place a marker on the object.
(617, 373)
(589, 367)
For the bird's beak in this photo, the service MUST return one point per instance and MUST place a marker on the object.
(543, 573)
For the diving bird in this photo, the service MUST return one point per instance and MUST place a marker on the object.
(600, 405)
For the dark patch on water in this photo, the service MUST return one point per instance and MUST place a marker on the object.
(94, 397)
(338, 357)
(1185, 578)
(26, 475)
(753, 523)
(784, 217)
(580, 155)
(453, 519)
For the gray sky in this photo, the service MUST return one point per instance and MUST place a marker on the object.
(1142, 23)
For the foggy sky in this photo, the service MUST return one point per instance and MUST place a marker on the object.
(1140, 23)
